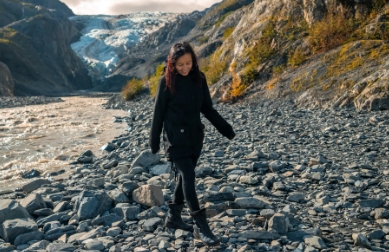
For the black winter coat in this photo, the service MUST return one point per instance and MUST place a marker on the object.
(179, 116)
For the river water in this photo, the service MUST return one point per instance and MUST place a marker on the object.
(48, 137)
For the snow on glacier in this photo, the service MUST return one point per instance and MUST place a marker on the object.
(105, 38)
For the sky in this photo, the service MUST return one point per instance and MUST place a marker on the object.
(116, 7)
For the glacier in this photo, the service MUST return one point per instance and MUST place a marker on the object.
(105, 38)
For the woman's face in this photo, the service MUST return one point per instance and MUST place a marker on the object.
(184, 64)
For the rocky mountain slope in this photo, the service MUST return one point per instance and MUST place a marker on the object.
(35, 46)
(312, 52)
(6, 81)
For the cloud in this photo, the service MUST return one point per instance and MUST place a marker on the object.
(116, 7)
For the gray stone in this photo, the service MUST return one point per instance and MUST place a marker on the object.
(146, 159)
(118, 196)
(39, 245)
(10, 209)
(15, 227)
(381, 213)
(26, 237)
(203, 171)
(267, 213)
(249, 202)
(156, 181)
(114, 231)
(128, 212)
(53, 217)
(107, 220)
(35, 184)
(160, 169)
(44, 212)
(60, 247)
(6, 247)
(315, 241)
(92, 203)
(296, 197)
(54, 234)
(376, 234)
(236, 212)
(137, 170)
(151, 224)
(279, 222)
(373, 203)
(277, 166)
(93, 244)
(129, 187)
(61, 206)
(361, 240)
(218, 153)
(259, 235)
(249, 180)
(33, 202)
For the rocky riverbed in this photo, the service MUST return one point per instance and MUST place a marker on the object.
(292, 180)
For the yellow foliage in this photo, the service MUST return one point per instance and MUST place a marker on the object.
(271, 84)
(237, 86)
(332, 31)
(132, 88)
(228, 32)
(213, 67)
(154, 79)
(297, 58)
(278, 69)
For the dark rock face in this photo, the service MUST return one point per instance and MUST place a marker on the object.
(37, 50)
(11, 11)
(6, 81)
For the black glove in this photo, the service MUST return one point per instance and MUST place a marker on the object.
(232, 135)
(228, 132)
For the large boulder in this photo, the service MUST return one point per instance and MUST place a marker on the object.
(33, 202)
(14, 228)
(35, 184)
(145, 159)
(92, 203)
(6, 81)
(148, 195)
(9, 210)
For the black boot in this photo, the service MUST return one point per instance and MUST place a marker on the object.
(202, 230)
(174, 220)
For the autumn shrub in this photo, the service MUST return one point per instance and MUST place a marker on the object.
(237, 86)
(228, 32)
(296, 58)
(132, 88)
(154, 79)
(213, 67)
(335, 29)
(278, 69)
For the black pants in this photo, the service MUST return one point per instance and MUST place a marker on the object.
(186, 183)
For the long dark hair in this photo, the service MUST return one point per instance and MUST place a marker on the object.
(176, 51)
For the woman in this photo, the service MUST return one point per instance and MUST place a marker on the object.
(181, 95)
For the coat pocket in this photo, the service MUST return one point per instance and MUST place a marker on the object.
(181, 136)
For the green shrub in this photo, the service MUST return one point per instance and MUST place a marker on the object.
(154, 79)
(278, 69)
(333, 30)
(213, 67)
(218, 23)
(132, 88)
(297, 58)
(228, 32)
